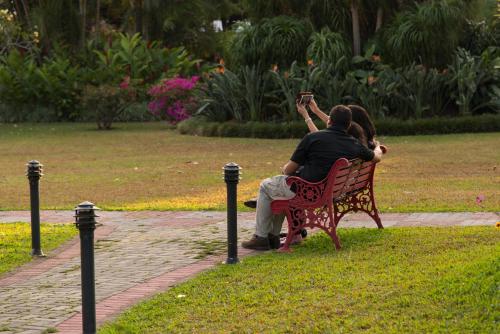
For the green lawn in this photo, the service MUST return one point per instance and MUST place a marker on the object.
(147, 166)
(15, 241)
(396, 280)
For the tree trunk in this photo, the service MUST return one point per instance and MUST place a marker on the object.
(17, 8)
(380, 18)
(26, 13)
(138, 4)
(356, 38)
(83, 22)
(98, 17)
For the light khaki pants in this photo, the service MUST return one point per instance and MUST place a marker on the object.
(270, 189)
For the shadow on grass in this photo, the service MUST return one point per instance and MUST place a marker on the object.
(350, 238)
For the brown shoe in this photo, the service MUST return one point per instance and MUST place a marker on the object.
(257, 243)
(274, 241)
(251, 203)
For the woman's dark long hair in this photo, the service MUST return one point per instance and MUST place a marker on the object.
(360, 116)
(357, 132)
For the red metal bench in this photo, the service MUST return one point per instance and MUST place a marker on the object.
(347, 187)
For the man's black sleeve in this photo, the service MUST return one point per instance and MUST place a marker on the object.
(365, 153)
(299, 156)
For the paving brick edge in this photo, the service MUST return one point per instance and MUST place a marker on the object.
(108, 308)
(56, 257)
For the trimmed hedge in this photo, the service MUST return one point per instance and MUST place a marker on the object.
(388, 127)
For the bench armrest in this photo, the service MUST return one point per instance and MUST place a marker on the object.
(306, 193)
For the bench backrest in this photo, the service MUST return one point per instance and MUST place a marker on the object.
(352, 178)
(348, 177)
(345, 178)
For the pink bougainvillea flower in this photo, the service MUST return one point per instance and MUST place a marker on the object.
(172, 99)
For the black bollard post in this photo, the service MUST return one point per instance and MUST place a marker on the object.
(232, 177)
(34, 174)
(85, 222)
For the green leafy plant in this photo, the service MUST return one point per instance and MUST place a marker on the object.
(255, 88)
(130, 55)
(468, 74)
(427, 34)
(235, 96)
(59, 87)
(328, 47)
(221, 98)
(54, 85)
(280, 40)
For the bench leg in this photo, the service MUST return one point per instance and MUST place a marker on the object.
(333, 228)
(293, 227)
(362, 201)
(377, 219)
(299, 218)
(374, 211)
(325, 220)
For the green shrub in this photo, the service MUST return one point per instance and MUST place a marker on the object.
(396, 127)
(228, 129)
(388, 126)
(106, 103)
(54, 86)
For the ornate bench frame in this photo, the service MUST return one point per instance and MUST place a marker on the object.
(347, 187)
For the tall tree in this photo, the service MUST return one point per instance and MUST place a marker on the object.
(97, 16)
(356, 34)
(138, 7)
(83, 21)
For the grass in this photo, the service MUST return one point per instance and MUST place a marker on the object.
(15, 241)
(147, 166)
(209, 247)
(397, 280)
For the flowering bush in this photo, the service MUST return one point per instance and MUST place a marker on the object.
(108, 101)
(13, 36)
(173, 99)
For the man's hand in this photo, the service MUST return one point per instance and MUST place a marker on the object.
(290, 168)
(377, 157)
(382, 147)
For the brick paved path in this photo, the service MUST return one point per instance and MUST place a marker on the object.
(137, 255)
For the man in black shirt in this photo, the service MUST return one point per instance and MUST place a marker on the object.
(317, 152)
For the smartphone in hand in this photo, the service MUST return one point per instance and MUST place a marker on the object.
(304, 98)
